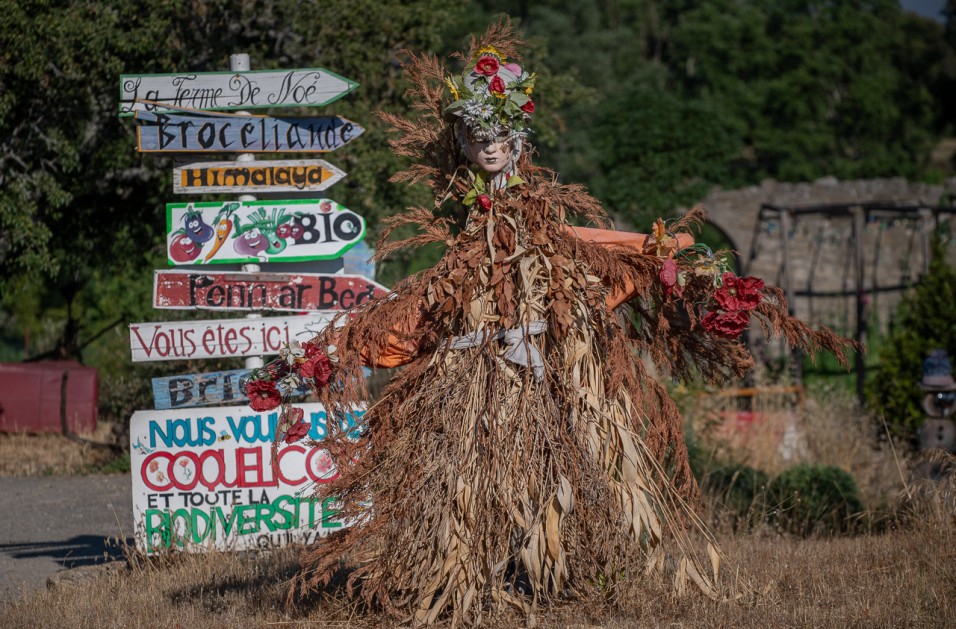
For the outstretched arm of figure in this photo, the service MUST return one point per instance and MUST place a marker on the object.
(614, 238)
(400, 349)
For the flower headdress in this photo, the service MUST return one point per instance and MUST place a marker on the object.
(493, 97)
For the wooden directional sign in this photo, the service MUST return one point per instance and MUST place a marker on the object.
(190, 290)
(221, 91)
(234, 133)
(301, 175)
(217, 388)
(222, 338)
(236, 232)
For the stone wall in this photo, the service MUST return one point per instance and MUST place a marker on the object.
(822, 249)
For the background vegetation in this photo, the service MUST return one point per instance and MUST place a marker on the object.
(648, 102)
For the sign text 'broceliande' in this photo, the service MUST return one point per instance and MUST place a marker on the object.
(229, 133)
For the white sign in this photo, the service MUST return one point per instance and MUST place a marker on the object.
(221, 338)
(203, 478)
(220, 91)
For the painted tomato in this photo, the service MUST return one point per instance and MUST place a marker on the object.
(325, 206)
(297, 231)
(284, 230)
(251, 243)
(183, 249)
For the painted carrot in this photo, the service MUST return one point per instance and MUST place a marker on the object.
(223, 229)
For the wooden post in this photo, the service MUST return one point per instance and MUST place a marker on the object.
(796, 356)
(240, 63)
(859, 219)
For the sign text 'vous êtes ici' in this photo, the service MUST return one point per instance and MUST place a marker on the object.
(204, 478)
(238, 232)
(221, 338)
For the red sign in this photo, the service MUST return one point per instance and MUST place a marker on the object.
(191, 290)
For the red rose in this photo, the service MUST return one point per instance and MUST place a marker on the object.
(669, 278)
(317, 367)
(487, 65)
(297, 431)
(263, 395)
(484, 202)
(528, 107)
(497, 86)
(311, 349)
(739, 293)
(726, 324)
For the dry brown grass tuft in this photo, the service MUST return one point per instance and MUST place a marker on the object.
(25, 454)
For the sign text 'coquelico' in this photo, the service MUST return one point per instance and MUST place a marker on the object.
(188, 290)
(234, 133)
(206, 479)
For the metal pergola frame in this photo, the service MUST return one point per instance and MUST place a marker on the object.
(859, 213)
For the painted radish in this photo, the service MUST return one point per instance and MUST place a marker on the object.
(183, 248)
(197, 229)
(251, 243)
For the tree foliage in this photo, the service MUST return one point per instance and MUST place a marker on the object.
(924, 321)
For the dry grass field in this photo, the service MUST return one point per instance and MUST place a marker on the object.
(902, 578)
(896, 569)
(23, 454)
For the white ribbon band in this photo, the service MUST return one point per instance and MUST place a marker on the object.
(519, 351)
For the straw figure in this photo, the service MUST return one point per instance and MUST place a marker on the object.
(523, 454)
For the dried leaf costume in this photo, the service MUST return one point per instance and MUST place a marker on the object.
(523, 453)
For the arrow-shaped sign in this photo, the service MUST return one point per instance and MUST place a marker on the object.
(191, 290)
(235, 133)
(221, 338)
(220, 91)
(303, 175)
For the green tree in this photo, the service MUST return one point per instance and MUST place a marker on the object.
(816, 88)
(925, 320)
(81, 213)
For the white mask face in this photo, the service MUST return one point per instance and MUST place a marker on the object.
(491, 157)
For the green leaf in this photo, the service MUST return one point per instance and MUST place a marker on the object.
(470, 197)
(514, 180)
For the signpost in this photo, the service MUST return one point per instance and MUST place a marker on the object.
(204, 479)
(260, 231)
(255, 177)
(190, 290)
(234, 133)
(220, 91)
(221, 338)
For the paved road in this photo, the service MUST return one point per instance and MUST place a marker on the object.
(56, 522)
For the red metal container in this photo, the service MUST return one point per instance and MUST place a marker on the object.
(56, 396)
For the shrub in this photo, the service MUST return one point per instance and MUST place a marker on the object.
(741, 489)
(807, 499)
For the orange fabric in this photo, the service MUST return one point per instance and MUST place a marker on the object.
(632, 240)
(400, 352)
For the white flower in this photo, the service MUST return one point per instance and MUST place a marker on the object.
(291, 352)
